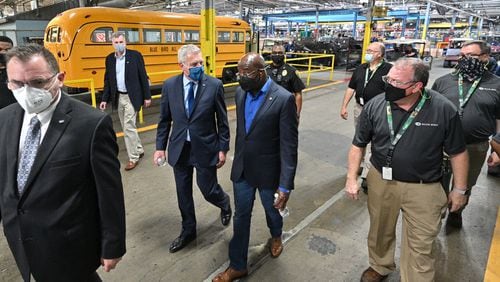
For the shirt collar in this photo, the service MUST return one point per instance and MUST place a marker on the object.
(264, 88)
(186, 81)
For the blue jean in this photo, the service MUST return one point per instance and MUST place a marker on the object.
(244, 197)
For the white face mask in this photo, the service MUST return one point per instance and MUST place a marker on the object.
(369, 58)
(32, 100)
(120, 47)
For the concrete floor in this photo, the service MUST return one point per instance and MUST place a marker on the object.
(325, 232)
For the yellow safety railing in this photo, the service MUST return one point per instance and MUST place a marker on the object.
(92, 88)
(307, 56)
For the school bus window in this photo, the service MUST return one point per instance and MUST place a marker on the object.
(102, 35)
(224, 36)
(152, 35)
(238, 36)
(173, 36)
(191, 36)
(53, 34)
(131, 34)
(248, 36)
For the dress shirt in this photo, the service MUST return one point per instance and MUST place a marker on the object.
(185, 82)
(44, 117)
(253, 103)
(120, 72)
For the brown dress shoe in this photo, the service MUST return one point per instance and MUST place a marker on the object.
(276, 247)
(230, 274)
(370, 275)
(131, 165)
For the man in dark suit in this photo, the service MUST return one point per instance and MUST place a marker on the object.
(194, 104)
(61, 195)
(126, 85)
(265, 158)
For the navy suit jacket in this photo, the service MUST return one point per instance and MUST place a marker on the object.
(71, 212)
(136, 79)
(266, 156)
(208, 125)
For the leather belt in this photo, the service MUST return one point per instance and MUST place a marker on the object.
(123, 93)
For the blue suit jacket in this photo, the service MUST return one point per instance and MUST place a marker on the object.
(208, 125)
(266, 156)
(136, 79)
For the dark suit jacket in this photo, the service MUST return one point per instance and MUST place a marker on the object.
(72, 210)
(266, 156)
(6, 96)
(136, 79)
(208, 125)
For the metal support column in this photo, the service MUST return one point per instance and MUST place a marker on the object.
(469, 29)
(403, 26)
(453, 20)
(317, 23)
(479, 28)
(368, 29)
(207, 32)
(354, 24)
(427, 19)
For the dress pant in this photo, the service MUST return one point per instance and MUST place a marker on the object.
(421, 205)
(206, 178)
(128, 116)
(244, 197)
(94, 277)
(365, 162)
(477, 156)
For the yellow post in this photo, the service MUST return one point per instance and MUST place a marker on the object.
(141, 116)
(331, 68)
(208, 36)
(92, 93)
(368, 30)
(309, 72)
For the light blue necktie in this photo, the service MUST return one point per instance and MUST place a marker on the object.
(29, 153)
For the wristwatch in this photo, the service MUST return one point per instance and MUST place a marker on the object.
(465, 192)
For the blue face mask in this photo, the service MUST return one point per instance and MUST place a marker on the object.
(369, 58)
(195, 73)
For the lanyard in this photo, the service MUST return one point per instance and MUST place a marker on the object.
(395, 138)
(368, 70)
(461, 98)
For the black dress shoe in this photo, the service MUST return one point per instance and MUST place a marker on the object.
(141, 155)
(180, 242)
(225, 216)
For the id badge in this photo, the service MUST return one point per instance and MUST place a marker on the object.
(387, 173)
(361, 101)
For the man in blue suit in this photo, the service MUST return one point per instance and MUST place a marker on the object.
(126, 85)
(265, 158)
(193, 122)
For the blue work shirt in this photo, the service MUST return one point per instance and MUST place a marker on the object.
(253, 103)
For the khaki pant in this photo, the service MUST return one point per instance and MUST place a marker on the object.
(365, 162)
(421, 206)
(128, 115)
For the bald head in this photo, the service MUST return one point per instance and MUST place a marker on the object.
(251, 62)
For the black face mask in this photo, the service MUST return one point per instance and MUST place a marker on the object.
(470, 68)
(249, 84)
(393, 93)
(278, 59)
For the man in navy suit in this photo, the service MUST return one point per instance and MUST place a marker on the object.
(126, 85)
(193, 122)
(61, 194)
(265, 158)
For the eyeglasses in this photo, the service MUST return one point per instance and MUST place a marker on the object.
(370, 51)
(474, 56)
(39, 83)
(394, 82)
(277, 53)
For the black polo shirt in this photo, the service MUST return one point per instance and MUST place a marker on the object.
(418, 154)
(483, 108)
(374, 86)
(286, 76)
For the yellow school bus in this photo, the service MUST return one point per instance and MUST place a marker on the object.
(80, 39)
